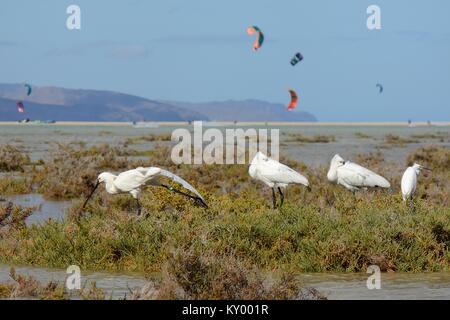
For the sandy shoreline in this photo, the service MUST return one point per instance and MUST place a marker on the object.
(213, 123)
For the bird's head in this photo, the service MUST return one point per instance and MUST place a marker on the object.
(102, 177)
(417, 167)
(105, 177)
(337, 161)
(259, 156)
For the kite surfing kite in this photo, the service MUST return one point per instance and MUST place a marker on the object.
(20, 107)
(380, 87)
(259, 37)
(294, 100)
(19, 104)
(296, 59)
(29, 89)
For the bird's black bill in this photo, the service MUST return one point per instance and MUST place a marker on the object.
(428, 169)
(203, 203)
(90, 195)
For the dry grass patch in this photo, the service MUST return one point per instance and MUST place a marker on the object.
(12, 158)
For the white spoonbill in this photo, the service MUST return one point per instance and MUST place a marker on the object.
(131, 182)
(274, 174)
(409, 180)
(353, 176)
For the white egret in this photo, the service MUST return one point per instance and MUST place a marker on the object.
(275, 175)
(409, 180)
(131, 182)
(353, 176)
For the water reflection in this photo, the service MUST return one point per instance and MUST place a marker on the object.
(45, 209)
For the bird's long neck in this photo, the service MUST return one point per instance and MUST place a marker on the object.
(109, 185)
(332, 174)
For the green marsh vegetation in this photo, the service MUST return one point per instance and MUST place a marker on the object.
(326, 229)
(439, 136)
(148, 138)
(202, 253)
(11, 185)
(395, 140)
(13, 163)
(362, 135)
(300, 138)
(12, 159)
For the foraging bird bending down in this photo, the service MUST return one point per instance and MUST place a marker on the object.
(409, 180)
(275, 175)
(131, 182)
(353, 176)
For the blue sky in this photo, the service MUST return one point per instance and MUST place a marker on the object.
(199, 50)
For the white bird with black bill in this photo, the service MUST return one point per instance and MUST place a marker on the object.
(353, 176)
(132, 181)
(275, 175)
(409, 180)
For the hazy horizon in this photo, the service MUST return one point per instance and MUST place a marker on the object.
(199, 51)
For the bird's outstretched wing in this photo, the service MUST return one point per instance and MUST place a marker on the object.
(280, 173)
(183, 182)
(356, 175)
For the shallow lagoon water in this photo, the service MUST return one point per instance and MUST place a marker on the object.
(44, 209)
(394, 286)
(39, 140)
(115, 285)
(336, 286)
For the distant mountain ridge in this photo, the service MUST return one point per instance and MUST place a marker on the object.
(245, 110)
(61, 104)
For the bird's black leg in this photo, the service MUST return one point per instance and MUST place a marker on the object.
(274, 198)
(281, 196)
(139, 207)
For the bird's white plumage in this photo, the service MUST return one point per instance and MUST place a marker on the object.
(409, 181)
(132, 180)
(274, 173)
(353, 176)
(359, 176)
